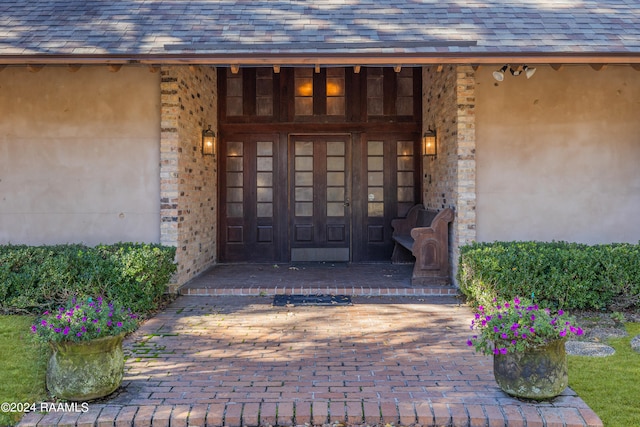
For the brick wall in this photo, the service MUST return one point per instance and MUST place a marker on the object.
(450, 178)
(187, 178)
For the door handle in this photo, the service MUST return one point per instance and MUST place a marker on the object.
(346, 202)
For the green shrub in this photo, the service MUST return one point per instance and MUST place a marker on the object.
(36, 278)
(557, 274)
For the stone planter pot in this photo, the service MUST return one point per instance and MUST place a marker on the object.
(85, 370)
(539, 373)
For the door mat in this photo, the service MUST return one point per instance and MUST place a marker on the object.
(300, 300)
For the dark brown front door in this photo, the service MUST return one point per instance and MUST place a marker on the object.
(314, 165)
(320, 197)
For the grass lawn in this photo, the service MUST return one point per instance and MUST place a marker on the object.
(610, 385)
(23, 365)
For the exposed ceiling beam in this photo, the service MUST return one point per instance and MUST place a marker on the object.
(34, 68)
(598, 67)
(557, 67)
(74, 67)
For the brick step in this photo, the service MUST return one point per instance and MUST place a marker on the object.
(421, 291)
(316, 413)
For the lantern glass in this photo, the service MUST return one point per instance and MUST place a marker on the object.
(208, 142)
(429, 147)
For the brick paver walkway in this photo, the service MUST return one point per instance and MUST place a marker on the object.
(238, 361)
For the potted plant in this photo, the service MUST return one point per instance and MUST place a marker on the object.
(528, 347)
(85, 336)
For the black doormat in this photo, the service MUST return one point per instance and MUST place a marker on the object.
(298, 300)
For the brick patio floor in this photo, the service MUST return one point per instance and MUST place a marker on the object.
(239, 361)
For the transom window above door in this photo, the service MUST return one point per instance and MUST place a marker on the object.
(320, 95)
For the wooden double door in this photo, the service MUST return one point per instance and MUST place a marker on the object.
(288, 197)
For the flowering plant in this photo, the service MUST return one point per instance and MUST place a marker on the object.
(518, 325)
(85, 320)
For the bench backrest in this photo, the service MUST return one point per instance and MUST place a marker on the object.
(425, 218)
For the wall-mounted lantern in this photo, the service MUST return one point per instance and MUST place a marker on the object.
(429, 146)
(208, 142)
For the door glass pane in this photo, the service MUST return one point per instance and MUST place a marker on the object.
(304, 209)
(335, 148)
(335, 209)
(335, 178)
(335, 163)
(304, 163)
(265, 179)
(335, 194)
(304, 194)
(234, 194)
(375, 148)
(265, 148)
(304, 178)
(265, 163)
(304, 148)
(265, 194)
(376, 179)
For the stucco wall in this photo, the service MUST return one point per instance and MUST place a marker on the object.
(558, 155)
(79, 155)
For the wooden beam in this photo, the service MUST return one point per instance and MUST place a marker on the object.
(356, 69)
(276, 69)
(557, 67)
(316, 69)
(475, 67)
(74, 67)
(34, 68)
(439, 68)
(2, 67)
(598, 67)
(397, 68)
(635, 67)
(235, 68)
(114, 68)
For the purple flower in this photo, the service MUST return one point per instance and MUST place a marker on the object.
(84, 318)
(109, 323)
(504, 336)
(65, 331)
(563, 332)
(560, 312)
(34, 328)
(119, 324)
(503, 350)
(469, 343)
(43, 323)
(515, 327)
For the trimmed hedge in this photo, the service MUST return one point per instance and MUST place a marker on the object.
(557, 274)
(37, 278)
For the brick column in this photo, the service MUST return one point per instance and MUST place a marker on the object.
(188, 179)
(450, 178)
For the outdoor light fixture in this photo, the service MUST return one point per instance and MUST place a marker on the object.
(515, 71)
(429, 147)
(528, 71)
(208, 142)
(499, 74)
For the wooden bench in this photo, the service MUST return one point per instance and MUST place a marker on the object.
(423, 235)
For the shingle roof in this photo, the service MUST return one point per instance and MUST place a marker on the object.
(465, 28)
